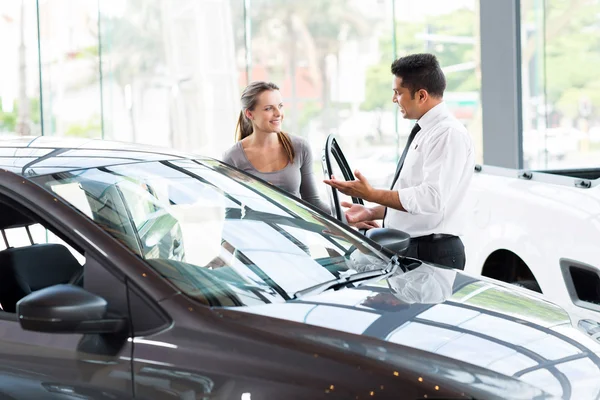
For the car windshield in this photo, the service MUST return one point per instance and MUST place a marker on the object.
(218, 235)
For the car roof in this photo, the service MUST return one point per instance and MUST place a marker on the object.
(41, 155)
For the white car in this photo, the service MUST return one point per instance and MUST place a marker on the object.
(540, 230)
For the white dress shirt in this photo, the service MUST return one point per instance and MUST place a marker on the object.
(435, 176)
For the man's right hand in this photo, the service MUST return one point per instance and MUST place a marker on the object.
(357, 213)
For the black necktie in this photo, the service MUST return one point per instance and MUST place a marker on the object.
(411, 137)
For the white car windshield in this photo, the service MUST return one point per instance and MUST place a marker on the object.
(218, 235)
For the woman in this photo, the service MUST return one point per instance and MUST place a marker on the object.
(265, 151)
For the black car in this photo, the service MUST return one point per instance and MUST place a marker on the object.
(132, 272)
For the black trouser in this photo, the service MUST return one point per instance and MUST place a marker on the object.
(445, 250)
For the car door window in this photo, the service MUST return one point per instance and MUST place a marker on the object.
(36, 257)
(34, 234)
(38, 233)
(335, 164)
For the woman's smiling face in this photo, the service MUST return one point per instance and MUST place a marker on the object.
(267, 114)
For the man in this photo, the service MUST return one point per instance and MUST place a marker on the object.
(427, 195)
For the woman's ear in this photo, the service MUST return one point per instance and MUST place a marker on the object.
(248, 114)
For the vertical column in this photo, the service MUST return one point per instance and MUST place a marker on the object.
(501, 83)
(39, 44)
(100, 70)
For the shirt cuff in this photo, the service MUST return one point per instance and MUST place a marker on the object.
(408, 199)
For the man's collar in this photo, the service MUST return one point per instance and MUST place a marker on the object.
(429, 118)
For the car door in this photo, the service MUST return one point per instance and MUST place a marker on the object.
(334, 164)
(45, 365)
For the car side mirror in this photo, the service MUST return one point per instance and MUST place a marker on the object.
(392, 239)
(66, 309)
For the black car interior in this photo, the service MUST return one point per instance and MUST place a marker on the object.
(26, 269)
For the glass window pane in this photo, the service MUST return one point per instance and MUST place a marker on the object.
(329, 59)
(203, 238)
(332, 62)
(70, 70)
(450, 30)
(245, 194)
(17, 237)
(19, 69)
(241, 37)
(42, 235)
(561, 101)
(170, 72)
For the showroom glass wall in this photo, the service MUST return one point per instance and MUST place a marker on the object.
(561, 83)
(169, 72)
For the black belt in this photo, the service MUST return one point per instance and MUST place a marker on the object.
(433, 237)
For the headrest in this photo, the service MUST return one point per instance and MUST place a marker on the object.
(39, 265)
(26, 269)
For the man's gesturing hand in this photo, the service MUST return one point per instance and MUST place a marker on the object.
(358, 188)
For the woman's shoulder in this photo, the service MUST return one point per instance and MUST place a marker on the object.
(233, 154)
(301, 148)
(299, 143)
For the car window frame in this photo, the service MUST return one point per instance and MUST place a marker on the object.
(77, 229)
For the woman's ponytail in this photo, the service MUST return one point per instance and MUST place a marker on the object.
(243, 128)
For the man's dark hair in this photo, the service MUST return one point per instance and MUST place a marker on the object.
(420, 71)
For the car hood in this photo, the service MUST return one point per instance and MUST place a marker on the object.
(452, 316)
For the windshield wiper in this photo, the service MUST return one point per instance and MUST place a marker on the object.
(345, 280)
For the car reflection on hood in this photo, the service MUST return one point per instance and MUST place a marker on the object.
(448, 313)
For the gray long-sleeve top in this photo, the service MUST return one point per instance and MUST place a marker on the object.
(296, 178)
